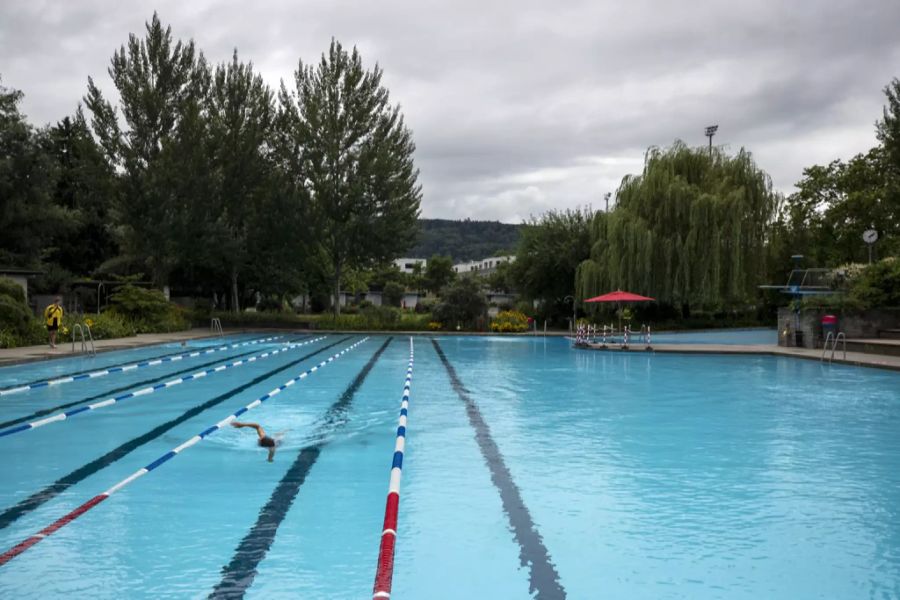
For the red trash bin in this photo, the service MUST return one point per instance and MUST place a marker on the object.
(829, 324)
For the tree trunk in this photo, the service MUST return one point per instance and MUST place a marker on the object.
(234, 291)
(337, 289)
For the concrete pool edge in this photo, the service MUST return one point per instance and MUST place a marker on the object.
(857, 359)
(30, 354)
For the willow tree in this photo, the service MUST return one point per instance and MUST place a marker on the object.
(689, 231)
(355, 162)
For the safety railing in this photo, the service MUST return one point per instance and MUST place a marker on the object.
(215, 326)
(831, 340)
(87, 343)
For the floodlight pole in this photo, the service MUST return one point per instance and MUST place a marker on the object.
(710, 132)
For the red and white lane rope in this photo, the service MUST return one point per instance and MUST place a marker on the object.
(68, 518)
(385, 570)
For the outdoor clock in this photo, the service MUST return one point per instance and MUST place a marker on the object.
(870, 236)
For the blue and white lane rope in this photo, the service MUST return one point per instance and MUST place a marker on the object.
(62, 416)
(71, 516)
(132, 366)
(384, 572)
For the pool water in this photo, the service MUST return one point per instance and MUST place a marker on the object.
(531, 470)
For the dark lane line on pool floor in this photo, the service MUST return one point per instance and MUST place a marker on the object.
(112, 366)
(47, 411)
(239, 574)
(543, 577)
(10, 515)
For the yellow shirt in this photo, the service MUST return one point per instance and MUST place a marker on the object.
(53, 312)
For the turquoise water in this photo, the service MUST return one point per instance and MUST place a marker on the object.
(640, 476)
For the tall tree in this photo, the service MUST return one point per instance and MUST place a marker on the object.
(28, 217)
(242, 116)
(438, 273)
(550, 249)
(159, 82)
(356, 159)
(85, 186)
(690, 230)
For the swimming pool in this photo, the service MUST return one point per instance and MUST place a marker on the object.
(530, 470)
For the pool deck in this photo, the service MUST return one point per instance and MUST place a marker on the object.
(24, 354)
(859, 359)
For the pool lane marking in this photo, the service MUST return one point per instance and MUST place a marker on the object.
(239, 573)
(543, 577)
(163, 459)
(150, 389)
(124, 368)
(25, 506)
(153, 380)
(384, 571)
(179, 351)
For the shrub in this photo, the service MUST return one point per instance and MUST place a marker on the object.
(509, 321)
(463, 303)
(270, 304)
(878, 285)
(392, 293)
(106, 326)
(380, 317)
(434, 326)
(148, 310)
(8, 287)
(425, 305)
(18, 327)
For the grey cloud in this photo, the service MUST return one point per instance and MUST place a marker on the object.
(520, 107)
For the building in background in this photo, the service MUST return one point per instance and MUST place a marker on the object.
(485, 266)
(406, 265)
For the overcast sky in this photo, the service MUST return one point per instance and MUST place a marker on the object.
(518, 107)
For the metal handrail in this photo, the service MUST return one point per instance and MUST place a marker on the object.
(840, 337)
(829, 337)
(834, 339)
(215, 326)
(82, 327)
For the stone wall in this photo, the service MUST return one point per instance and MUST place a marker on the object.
(855, 324)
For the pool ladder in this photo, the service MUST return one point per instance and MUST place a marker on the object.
(834, 339)
(81, 328)
(215, 326)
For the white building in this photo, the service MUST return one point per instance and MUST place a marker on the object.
(485, 266)
(406, 265)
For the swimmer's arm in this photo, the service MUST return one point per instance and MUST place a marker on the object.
(271, 453)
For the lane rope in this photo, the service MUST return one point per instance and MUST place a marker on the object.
(384, 572)
(62, 416)
(74, 514)
(130, 367)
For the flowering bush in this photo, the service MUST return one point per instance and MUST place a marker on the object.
(434, 325)
(509, 321)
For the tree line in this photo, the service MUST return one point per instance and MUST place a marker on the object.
(203, 179)
(701, 229)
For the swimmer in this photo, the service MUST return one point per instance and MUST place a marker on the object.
(264, 440)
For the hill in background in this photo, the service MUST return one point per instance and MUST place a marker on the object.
(464, 240)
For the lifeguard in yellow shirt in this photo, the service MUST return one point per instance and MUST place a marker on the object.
(54, 314)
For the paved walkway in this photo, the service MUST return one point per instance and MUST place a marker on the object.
(853, 358)
(9, 356)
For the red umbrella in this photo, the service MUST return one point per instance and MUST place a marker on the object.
(620, 296)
